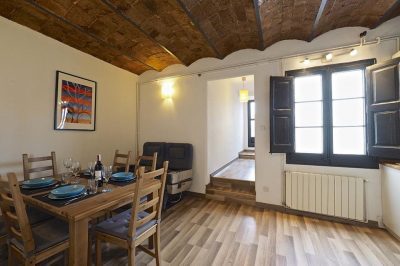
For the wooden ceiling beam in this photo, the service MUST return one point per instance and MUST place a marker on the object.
(392, 12)
(133, 23)
(317, 19)
(199, 28)
(259, 26)
(51, 13)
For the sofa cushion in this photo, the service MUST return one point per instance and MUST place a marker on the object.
(179, 155)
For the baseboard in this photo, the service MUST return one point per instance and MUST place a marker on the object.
(391, 232)
(226, 165)
(280, 208)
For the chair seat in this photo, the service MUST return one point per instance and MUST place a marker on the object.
(46, 235)
(118, 225)
(36, 216)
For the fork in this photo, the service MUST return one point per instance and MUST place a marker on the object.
(71, 200)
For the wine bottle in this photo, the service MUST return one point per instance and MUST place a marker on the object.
(98, 171)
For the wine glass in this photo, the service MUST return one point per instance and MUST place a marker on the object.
(91, 166)
(107, 172)
(67, 163)
(76, 169)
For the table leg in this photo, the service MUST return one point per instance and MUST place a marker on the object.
(78, 237)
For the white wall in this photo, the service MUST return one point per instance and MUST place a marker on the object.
(263, 64)
(180, 119)
(28, 65)
(225, 123)
(391, 198)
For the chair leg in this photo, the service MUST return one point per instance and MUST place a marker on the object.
(157, 246)
(98, 253)
(10, 257)
(30, 262)
(66, 257)
(131, 255)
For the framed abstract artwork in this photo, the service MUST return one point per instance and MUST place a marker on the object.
(75, 107)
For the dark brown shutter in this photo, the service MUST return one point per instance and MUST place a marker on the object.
(281, 115)
(383, 109)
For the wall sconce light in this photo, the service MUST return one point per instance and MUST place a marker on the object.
(306, 61)
(167, 90)
(329, 57)
(244, 93)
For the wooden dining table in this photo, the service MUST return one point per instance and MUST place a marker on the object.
(78, 214)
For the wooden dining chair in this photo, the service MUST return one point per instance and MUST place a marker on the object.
(44, 171)
(30, 244)
(125, 158)
(144, 160)
(131, 228)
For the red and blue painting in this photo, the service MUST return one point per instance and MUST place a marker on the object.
(75, 103)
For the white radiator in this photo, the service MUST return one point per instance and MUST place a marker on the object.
(341, 196)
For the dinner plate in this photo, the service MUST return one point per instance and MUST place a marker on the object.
(122, 175)
(38, 182)
(66, 191)
(127, 179)
(53, 197)
(42, 186)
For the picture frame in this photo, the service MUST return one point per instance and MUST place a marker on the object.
(75, 103)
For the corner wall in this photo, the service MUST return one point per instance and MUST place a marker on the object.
(28, 65)
(225, 123)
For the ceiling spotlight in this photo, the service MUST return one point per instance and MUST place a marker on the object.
(306, 61)
(353, 52)
(329, 57)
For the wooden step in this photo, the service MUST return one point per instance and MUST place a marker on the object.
(247, 154)
(230, 195)
(249, 186)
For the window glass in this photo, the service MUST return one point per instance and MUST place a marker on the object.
(308, 114)
(348, 112)
(349, 140)
(309, 140)
(308, 88)
(252, 128)
(252, 110)
(348, 84)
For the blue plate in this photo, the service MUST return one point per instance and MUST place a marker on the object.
(53, 197)
(38, 182)
(66, 191)
(41, 186)
(126, 179)
(122, 176)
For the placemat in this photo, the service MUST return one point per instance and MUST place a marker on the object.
(61, 203)
(26, 191)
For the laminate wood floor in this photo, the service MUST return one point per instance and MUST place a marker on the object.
(240, 169)
(207, 232)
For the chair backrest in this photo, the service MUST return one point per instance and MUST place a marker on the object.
(144, 160)
(154, 196)
(15, 217)
(42, 170)
(149, 148)
(118, 157)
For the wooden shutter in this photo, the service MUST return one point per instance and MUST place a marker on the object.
(384, 109)
(281, 115)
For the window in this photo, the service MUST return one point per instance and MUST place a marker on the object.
(251, 113)
(329, 116)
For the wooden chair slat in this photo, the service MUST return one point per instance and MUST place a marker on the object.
(148, 204)
(16, 232)
(29, 169)
(126, 158)
(147, 219)
(40, 169)
(153, 160)
(11, 216)
(39, 159)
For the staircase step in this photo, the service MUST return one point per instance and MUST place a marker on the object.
(233, 184)
(235, 193)
(247, 154)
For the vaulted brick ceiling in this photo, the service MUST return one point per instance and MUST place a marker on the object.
(141, 35)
